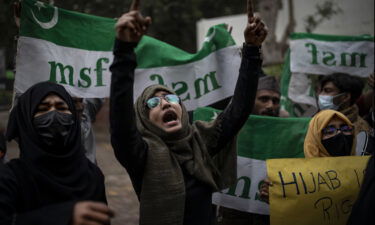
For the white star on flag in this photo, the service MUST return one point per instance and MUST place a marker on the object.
(40, 5)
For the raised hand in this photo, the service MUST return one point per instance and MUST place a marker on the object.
(255, 32)
(131, 26)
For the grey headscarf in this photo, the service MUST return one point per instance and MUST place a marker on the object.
(162, 197)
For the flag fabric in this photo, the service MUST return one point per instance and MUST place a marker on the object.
(261, 138)
(75, 50)
(312, 55)
(69, 48)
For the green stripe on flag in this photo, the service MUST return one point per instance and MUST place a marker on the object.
(264, 137)
(324, 37)
(163, 54)
(72, 29)
(286, 103)
(93, 33)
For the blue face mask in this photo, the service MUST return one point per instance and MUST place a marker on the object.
(326, 102)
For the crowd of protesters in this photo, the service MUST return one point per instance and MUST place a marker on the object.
(175, 166)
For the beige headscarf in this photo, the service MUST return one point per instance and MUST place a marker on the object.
(313, 146)
(162, 198)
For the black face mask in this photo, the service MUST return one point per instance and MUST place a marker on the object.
(53, 127)
(339, 145)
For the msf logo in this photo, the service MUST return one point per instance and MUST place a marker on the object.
(83, 78)
(344, 59)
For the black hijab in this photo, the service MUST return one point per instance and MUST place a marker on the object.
(44, 177)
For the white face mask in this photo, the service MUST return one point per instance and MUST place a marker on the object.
(326, 102)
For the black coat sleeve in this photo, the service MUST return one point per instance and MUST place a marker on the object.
(8, 195)
(58, 214)
(237, 112)
(129, 147)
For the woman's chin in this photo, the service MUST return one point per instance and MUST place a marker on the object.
(172, 127)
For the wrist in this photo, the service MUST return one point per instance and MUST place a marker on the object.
(123, 46)
(251, 51)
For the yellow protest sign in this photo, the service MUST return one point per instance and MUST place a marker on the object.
(315, 190)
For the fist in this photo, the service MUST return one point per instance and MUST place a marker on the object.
(132, 26)
(255, 32)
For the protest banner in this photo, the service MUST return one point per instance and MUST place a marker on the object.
(261, 138)
(75, 50)
(311, 55)
(315, 190)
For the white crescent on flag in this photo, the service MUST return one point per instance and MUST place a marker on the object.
(52, 22)
(210, 37)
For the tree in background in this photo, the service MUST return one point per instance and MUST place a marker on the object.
(324, 11)
(274, 51)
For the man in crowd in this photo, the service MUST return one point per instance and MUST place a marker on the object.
(366, 102)
(267, 103)
(340, 92)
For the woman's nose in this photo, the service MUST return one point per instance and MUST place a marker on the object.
(269, 104)
(165, 104)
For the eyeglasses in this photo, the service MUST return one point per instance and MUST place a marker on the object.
(155, 101)
(331, 131)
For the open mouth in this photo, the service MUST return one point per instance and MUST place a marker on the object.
(170, 117)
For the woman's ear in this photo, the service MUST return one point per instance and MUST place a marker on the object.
(343, 100)
(346, 98)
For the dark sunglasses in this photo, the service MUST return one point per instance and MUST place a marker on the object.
(155, 101)
(333, 130)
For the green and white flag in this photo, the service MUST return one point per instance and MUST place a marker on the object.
(65, 47)
(261, 138)
(311, 55)
(75, 50)
(199, 79)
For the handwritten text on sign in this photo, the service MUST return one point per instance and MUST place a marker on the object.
(314, 191)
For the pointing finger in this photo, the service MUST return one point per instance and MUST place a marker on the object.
(250, 9)
(135, 5)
